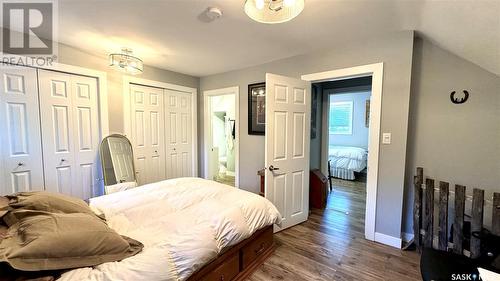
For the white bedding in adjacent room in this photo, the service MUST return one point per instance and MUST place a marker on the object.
(345, 160)
(183, 223)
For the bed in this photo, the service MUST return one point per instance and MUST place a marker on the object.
(343, 161)
(191, 228)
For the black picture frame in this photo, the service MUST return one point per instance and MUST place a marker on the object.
(257, 109)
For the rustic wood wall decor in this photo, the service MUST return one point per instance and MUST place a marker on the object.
(426, 230)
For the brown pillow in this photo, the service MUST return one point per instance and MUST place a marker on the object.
(52, 241)
(42, 201)
(4, 205)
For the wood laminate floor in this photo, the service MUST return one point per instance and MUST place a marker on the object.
(330, 246)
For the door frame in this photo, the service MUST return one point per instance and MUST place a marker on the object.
(102, 91)
(127, 117)
(376, 71)
(235, 90)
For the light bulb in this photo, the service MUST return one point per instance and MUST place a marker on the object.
(259, 4)
(288, 3)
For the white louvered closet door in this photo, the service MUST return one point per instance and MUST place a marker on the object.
(148, 135)
(20, 142)
(70, 131)
(179, 129)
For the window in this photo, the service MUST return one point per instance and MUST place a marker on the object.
(340, 118)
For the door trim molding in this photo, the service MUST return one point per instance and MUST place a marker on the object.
(375, 70)
(235, 90)
(127, 121)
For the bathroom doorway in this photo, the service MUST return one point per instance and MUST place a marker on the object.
(221, 135)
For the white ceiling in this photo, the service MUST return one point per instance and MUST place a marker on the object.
(172, 34)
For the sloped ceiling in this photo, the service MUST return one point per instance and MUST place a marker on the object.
(174, 35)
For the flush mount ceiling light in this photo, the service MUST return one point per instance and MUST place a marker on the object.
(273, 11)
(126, 62)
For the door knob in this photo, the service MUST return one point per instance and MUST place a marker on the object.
(272, 168)
(20, 164)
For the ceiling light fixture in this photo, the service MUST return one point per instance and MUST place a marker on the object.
(273, 11)
(126, 62)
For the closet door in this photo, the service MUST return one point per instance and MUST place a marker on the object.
(86, 133)
(148, 133)
(179, 130)
(20, 144)
(70, 130)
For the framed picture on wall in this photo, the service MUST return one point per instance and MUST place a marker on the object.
(257, 109)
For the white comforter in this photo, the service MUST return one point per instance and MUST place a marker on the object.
(183, 223)
(347, 157)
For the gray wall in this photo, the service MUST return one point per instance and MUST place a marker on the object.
(73, 56)
(359, 136)
(455, 143)
(395, 50)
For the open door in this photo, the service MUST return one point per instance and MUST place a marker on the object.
(288, 114)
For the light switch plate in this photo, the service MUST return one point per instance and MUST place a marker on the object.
(386, 138)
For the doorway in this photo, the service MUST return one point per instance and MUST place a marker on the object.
(375, 71)
(221, 139)
(345, 107)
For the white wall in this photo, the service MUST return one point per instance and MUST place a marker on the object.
(359, 136)
(395, 51)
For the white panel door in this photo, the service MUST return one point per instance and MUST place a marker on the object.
(288, 111)
(86, 133)
(148, 134)
(57, 131)
(70, 130)
(179, 134)
(20, 142)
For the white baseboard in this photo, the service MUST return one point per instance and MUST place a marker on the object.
(388, 240)
(407, 236)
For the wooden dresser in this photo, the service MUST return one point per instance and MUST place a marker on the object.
(318, 189)
(262, 175)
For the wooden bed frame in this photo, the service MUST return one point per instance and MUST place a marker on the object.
(239, 261)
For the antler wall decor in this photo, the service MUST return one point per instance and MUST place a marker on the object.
(459, 100)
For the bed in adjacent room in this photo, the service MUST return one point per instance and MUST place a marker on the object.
(344, 161)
